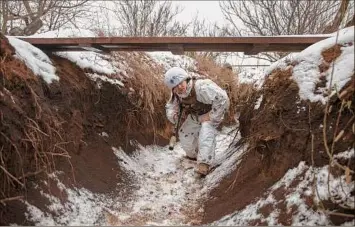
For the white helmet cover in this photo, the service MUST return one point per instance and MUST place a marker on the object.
(175, 76)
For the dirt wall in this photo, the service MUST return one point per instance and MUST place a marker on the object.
(59, 126)
(283, 131)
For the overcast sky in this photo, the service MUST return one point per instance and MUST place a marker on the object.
(209, 10)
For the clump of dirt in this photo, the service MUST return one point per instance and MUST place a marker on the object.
(280, 133)
(332, 53)
(69, 125)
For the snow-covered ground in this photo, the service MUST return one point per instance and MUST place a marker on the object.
(295, 199)
(167, 190)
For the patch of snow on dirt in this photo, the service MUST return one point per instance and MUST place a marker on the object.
(168, 187)
(99, 78)
(346, 154)
(226, 158)
(254, 76)
(296, 190)
(306, 71)
(97, 62)
(258, 102)
(34, 58)
(168, 60)
(343, 68)
(81, 208)
(166, 190)
(90, 60)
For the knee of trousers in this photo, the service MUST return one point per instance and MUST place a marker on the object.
(189, 144)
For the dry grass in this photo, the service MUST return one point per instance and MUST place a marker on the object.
(239, 94)
(31, 138)
(148, 94)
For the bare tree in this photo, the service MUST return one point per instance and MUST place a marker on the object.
(149, 18)
(27, 17)
(275, 17)
(202, 28)
(345, 11)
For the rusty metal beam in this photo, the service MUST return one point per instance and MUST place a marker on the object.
(93, 47)
(179, 45)
(177, 49)
(257, 48)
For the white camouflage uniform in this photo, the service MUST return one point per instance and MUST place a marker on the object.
(192, 133)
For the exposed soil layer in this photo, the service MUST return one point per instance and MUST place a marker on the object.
(279, 134)
(59, 127)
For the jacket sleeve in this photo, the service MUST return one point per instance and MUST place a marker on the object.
(172, 109)
(210, 93)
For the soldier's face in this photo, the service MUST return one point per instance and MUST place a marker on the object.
(180, 88)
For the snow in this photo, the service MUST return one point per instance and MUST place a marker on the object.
(99, 78)
(166, 190)
(99, 63)
(90, 60)
(65, 33)
(34, 59)
(104, 134)
(296, 196)
(227, 159)
(258, 102)
(255, 75)
(81, 208)
(168, 60)
(345, 155)
(306, 71)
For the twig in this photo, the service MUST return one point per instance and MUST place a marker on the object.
(12, 176)
(336, 137)
(331, 158)
(37, 127)
(236, 134)
(314, 187)
(339, 214)
(239, 166)
(329, 153)
(341, 133)
(56, 132)
(17, 151)
(34, 95)
(58, 154)
(337, 121)
(31, 174)
(11, 199)
(294, 129)
(59, 147)
(231, 186)
(15, 147)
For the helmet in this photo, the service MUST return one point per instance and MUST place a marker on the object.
(228, 66)
(174, 76)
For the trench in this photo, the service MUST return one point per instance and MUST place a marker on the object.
(165, 190)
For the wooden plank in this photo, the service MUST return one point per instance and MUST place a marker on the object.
(178, 45)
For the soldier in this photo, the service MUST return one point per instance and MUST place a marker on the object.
(204, 104)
